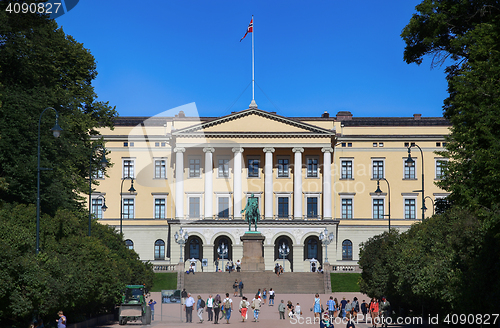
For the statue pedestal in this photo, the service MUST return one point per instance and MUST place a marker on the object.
(253, 257)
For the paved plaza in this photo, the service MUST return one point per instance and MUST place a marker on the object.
(170, 315)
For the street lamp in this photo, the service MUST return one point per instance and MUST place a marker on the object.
(56, 131)
(284, 250)
(222, 250)
(131, 190)
(326, 239)
(181, 239)
(410, 162)
(103, 162)
(432, 200)
(378, 192)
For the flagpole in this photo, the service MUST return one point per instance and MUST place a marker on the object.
(253, 104)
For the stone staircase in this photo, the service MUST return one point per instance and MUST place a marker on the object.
(287, 283)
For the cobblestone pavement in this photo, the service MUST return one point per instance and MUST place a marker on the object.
(172, 315)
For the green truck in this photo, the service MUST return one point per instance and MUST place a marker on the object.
(133, 306)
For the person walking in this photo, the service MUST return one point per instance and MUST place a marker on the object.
(385, 311)
(355, 307)
(298, 312)
(188, 308)
(281, 309)
(264, 296)
(256, 303)
(151, 304)
(228, 306)
(317, 306)
(235, 287)
(200, 306)
(184, 295)
(348, 309)
(240, 287)
(244, 308)
(271, 297)
(238, 266)
(217, 306)
(374, 308)
(343, 303)
(210, 308)
(61, 322)
(330, 306)
(364, 309)
(216, 262)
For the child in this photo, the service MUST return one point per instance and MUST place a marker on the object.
(298, 313)
(281, 309)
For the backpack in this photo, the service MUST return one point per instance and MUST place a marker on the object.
(202, 303)
(227, 304)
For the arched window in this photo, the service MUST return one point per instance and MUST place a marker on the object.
(194, 249)
(129, 244)
(223, 243)
(279, 243)
(312, 249)
(159, 250)
(347, 250)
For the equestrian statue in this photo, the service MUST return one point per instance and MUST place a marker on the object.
(252, 214)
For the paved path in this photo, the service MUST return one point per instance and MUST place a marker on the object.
(170, 315)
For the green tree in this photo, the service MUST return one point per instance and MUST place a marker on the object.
(40, 67)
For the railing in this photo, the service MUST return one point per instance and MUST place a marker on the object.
(345, 268)
(312, 217)
(283, 217)
(164, 267)
(223, 218)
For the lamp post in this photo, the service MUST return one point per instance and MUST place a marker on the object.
(222, 250)
(410, 162)
(326, 239)
(56, 131)
(131, 190)
(103, 162)
(379, 192)
(432, 200)
(103, 206)
(284, 250)
(181, 238)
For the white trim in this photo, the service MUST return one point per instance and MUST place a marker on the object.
(307, 168)
(279, 157)
(316, 195)
(373, 197)
(229, 166)
(155, 197)
(154, 167)
(436, 160)
(342, 159)
(283, 195)
(415, 168)
(415, 198)
(223, 194)
(194, 157)
(103, 200)
(199, 195)
(351, 197)
(132, 159)
(131, 196)
(371, 167)
(249, 157)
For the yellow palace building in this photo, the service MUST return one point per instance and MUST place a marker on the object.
(308, 173)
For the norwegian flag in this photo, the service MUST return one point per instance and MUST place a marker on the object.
(249, 29)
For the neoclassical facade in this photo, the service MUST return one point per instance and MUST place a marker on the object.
(308, 173)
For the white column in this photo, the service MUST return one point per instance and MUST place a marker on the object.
(179, 182)
(327, 182)
(297, 183)
(237, 191)
(208, 182)
(268, 183)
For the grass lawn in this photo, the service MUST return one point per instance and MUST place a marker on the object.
(167, 280)
(345, 282)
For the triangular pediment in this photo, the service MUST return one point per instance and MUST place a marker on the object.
(253, 122)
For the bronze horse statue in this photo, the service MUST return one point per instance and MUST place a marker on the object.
(252, 214)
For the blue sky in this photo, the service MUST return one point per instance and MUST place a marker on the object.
(310, 56)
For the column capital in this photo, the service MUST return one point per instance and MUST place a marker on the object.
(237, 150)
(208, 150)
(298, 149)
(179, 150)
(268, 150)
(327, 150)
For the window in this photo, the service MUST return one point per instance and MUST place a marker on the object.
(283, 166)
(128, 208)
(312, 207)
(224, 207)
(409, 171)
(283, 207)
(407, 144)
(279, 244)
(97, 207)
(194, 167)
(129, 244)
(194, 207)
(159, 250)
(157, 144)
(253, 167)
(347, 250)
(438, 144)
(378, 169)
(381, 144)
(440, 169)
(160, 169)
(312, 167)
(223, 249)
(312, 248)
(349, 144)
(128, 168)
(194, 248)
(378, 208)
(346, 208)
(410, 209)
(346, 170)
(374, 144)
(159, 208)
(98, 173)
(344, 144)
(223, 168)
